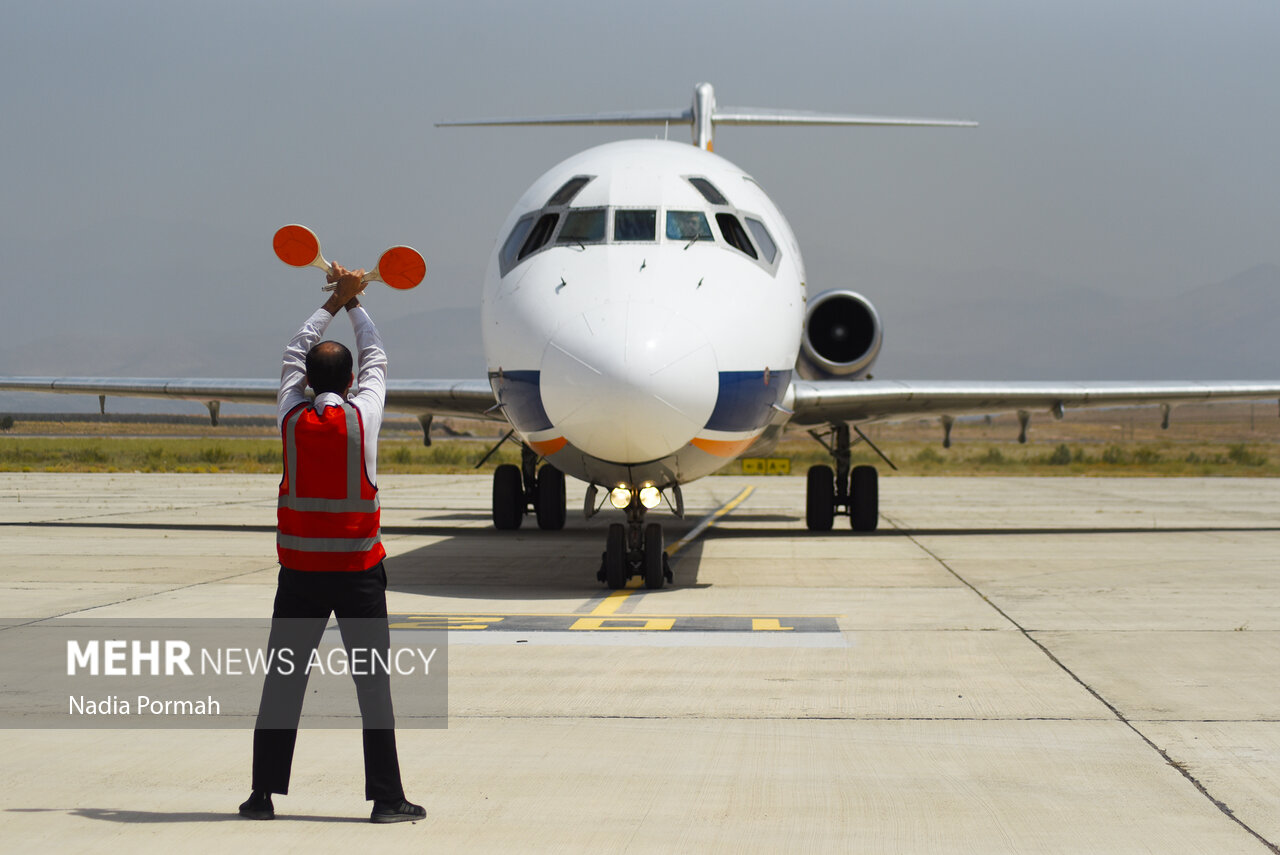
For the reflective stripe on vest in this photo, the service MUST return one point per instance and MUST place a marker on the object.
(326, 544)
(328, 512)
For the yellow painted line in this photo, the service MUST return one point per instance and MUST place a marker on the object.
(610, 604)
(768, 625)
(524, 622)
(709, 520)
(443, 621)
(626, 623)
(494, 616)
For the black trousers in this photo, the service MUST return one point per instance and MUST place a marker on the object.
(314, 596)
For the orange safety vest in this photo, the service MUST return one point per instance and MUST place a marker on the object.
(327, 517)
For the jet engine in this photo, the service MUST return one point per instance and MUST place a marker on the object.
(842, 337)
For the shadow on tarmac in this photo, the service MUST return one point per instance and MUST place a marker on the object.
(133, 817)
(526, 564)
(466, 562)
(984, 532)
(479, 563)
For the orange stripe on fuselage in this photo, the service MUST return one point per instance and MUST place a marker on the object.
(722, 447)
(548, 447)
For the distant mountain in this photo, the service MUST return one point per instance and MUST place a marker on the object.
(432, 343)
(438, 343)
(1230, 326)
(993, 325)
(443, 343)
(1012, 327)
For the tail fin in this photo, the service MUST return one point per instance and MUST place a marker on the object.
(703, 115)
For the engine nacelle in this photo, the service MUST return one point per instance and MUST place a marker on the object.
(842, 337)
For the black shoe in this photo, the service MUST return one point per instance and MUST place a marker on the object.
(258, 806)
(397, 811)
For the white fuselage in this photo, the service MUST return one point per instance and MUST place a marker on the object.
(630, 335)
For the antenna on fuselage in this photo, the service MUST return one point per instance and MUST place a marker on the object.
(703, 115)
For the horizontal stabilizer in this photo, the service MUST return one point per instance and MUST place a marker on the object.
(704, 115)
(636, 117)
(755, 116)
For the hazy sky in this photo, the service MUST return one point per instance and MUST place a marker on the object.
(152, 148)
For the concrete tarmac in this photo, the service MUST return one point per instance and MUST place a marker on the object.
(1008, 665)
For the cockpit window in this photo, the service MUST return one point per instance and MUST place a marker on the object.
(568, 190)
(764, 240)
(576, 228)
(688, 225)
(635, 225)
(709, 191)
(583, 227)
(734, 234)
(514, 241)
(540, 235)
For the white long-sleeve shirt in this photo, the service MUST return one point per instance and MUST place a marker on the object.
(371, 380)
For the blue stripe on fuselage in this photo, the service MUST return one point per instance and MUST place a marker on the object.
(521, 398)
(746, 399)
(743, 403)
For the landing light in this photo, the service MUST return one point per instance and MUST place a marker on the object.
(620, 496)
(650, 496)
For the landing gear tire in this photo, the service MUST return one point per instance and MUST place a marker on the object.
(508, 498)
(820, 499)
(615, 557)
(549, 500)
(864, 498)
(654, 555)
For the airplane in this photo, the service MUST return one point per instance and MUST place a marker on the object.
(645, 323)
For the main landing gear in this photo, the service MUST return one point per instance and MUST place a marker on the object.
(853, 493)
(634, 549)
(517, 489)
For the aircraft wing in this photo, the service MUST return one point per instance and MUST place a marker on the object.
(464, 398)
(828, 401)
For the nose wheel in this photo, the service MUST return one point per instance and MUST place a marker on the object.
(655, 558)
(634, 549)
(616, 566)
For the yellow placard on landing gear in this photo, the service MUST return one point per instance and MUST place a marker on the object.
(766, 466)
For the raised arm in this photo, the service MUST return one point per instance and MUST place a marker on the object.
(293, 373)
(372, 357)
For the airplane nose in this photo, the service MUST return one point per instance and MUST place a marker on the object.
(629, 386)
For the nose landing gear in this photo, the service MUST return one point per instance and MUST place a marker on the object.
(631, 549)
(634, 549)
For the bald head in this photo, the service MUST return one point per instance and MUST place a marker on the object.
(329, 367)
